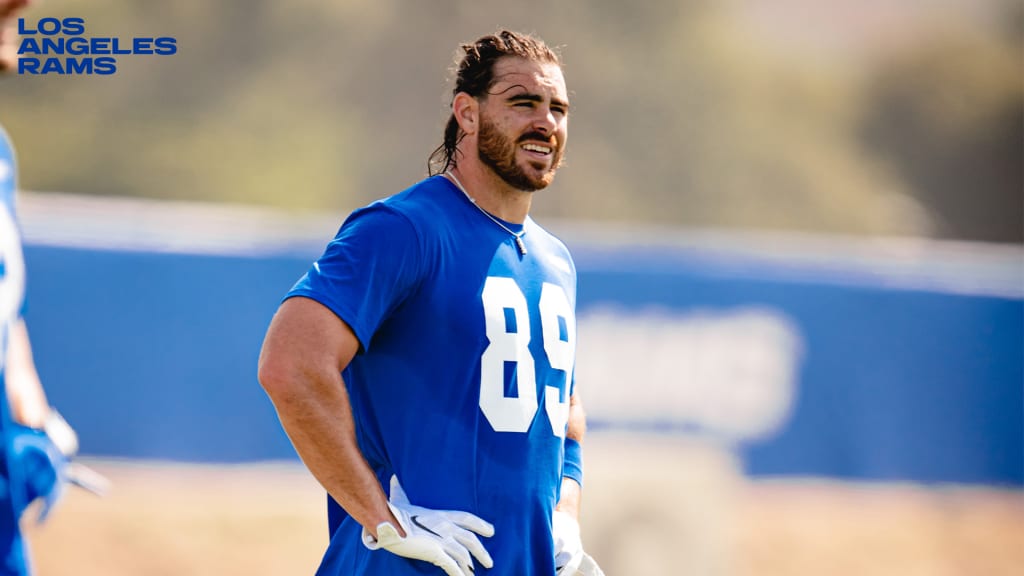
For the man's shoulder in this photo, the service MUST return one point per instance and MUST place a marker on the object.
(425, 204)
(427, 194)
(551, 242)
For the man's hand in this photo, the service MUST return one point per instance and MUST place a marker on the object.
(40, 463)
(568, 545)
(570, 559)
(445, 538)
(588, 567)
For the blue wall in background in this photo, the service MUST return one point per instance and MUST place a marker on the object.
(895, 384)
(154, 355)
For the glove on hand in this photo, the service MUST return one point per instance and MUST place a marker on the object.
(568, 546)
(40, 461)
(444, 538)
(588, 567)
(570, 559)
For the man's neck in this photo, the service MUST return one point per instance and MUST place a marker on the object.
(493, 194)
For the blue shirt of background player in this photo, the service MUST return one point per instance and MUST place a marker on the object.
(12, 290)
(8, 171)
(408, 275)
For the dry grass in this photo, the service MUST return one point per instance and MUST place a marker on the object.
(816, 528)
(195, 521)
(652, 507)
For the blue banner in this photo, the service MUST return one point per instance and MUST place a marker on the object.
(835, 368)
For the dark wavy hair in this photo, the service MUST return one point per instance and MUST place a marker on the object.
(474, 75)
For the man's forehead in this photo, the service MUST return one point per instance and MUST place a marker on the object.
(509, 73)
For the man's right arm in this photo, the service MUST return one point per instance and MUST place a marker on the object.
(305, 350)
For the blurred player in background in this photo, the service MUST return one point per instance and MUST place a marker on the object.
(36, 442)
(9, 10)
(423, 367)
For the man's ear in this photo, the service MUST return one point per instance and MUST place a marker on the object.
(467, 112)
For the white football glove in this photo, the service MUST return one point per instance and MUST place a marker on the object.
(588, 567)
(565, 531)
(445, 538)
(66, 440)
(570, 559)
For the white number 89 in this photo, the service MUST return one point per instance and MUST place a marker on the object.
(508, 333)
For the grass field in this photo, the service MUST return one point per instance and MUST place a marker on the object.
(652, 507)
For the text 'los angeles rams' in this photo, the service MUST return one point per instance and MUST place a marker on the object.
(59, 46)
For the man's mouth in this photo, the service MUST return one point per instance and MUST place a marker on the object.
(537, 148)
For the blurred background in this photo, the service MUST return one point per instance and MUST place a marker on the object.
(799, 230)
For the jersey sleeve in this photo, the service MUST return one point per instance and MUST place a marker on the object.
(369, 268)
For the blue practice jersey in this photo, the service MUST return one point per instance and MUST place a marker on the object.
(12, 264)
(461, 387)
(13, 560)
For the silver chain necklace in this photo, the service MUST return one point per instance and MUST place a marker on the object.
(518, 236)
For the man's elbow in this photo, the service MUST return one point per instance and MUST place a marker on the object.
(277, 375)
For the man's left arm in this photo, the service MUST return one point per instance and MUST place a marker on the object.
(570, 559)
(571, 492)
(25, 394)
(40, 442)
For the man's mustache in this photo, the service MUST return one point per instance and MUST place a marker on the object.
(536, 136)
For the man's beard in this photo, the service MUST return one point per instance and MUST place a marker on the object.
(498, 152)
